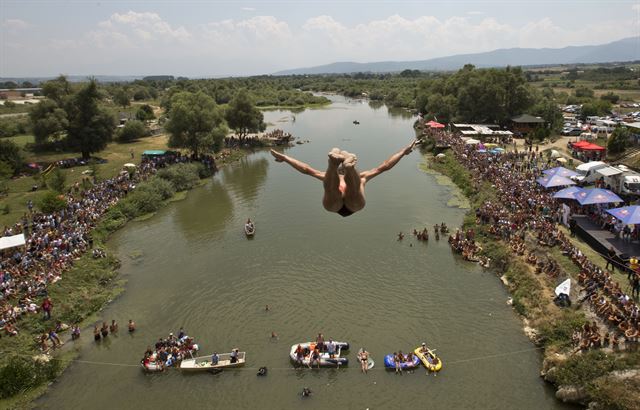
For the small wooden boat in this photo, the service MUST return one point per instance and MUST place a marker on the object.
(203, 363)
(356, 122)
(429, 360)
(249, 229)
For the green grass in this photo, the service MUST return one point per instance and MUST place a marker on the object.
(21, 140)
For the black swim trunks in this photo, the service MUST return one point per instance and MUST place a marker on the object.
(344, 211)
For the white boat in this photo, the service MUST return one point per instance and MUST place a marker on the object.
(324, 360)
(203, 363)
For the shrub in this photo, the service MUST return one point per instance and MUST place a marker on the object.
(161, 186)
(143, 200)
(132, 131)
(21, 373)
(51, 202)
(182, 176)
(558, 332)
(581, 369)
(11, 153)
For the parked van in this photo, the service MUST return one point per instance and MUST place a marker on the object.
(587, 172)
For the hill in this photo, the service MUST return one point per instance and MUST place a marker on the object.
(627, 49)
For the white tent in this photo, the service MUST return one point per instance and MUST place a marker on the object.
(564, 287)
(472, 141)
(7, 242)
(555, 154)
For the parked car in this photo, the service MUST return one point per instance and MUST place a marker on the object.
(571, 131)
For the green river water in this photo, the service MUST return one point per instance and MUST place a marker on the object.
(349, 278)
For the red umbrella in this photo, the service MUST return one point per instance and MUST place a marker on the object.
(434, 124)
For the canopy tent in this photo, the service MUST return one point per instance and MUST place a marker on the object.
(129, 165)
(550, 181)
(496, 150)
(579, 144)
(564, 287)
(154, 153)
(7, 242)
(561, 160)
(567, 193)
(434, 124)
(472, 141)
(628, 215)
(591, 147)
(597, 196)
(560, 171)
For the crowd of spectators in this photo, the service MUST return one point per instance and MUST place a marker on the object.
(55, 240)
(523, 206)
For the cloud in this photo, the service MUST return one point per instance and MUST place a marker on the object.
(15, 24)
(146, 42)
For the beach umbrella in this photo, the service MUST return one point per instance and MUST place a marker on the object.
(550, 181)
(129, 165)
(561, 160)
(597, 196)
(560, 171)
(629, 215)
(472, 141)
(555, 154)
(434, 124)
(567, 193)
(440, 155)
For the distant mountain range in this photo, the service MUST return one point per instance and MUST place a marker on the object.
(627, 49)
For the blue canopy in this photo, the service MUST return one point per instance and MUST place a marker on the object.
(567, 193)
(550, 181)
(597, 196)
(560, 171)
(629, 215)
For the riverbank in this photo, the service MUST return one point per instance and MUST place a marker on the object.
(599, 377)
(87, 287)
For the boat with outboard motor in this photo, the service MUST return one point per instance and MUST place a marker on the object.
(303, 354)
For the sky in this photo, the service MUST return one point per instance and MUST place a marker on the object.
(207, 38)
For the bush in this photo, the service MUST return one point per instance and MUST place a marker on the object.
(619, 140)
(161, 186)
(11, 153)
(558, 331)
(132, 131)
(55, 180)
(51, 202)
(21, 373)
(581, 369)
(182, 176)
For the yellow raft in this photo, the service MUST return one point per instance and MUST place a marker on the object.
(433, 363)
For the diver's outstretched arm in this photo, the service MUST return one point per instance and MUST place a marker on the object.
(389, 163)
(298, 165)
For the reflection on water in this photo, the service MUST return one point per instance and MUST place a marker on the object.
(376, 104)
(400, 112)
(246, 177)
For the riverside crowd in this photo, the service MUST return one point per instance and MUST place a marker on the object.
(523, 206)
(54, 241)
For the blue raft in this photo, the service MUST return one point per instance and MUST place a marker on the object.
(390, 363)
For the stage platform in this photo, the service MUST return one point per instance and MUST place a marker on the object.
(601, 240)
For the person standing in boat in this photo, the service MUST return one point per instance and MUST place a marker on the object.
(343, 184)
(234, 356)
(320, 342)
(331, 348)
(215, 358)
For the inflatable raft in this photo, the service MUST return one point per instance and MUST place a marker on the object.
(429, 360)
(324, 359)
(390, 362)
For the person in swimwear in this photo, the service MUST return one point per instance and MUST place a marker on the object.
(343, 184)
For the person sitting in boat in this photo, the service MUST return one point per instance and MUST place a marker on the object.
(314, 358)
(409, 358)
(343, 184)
(300, 353)
(214, 359)
(363, 356)
(424, 349)
(234, 356)
(397, 361)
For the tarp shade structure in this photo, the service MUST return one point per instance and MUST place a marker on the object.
(564, 287)
(551, 181)
(597, 196)
(154, 152)
(591, 147)
(628, 215)
(472, 141)
(434, 124)
(579, 144)
(7, 242)
(567, 193)
(560, 171)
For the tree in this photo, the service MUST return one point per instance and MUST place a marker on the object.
(610, 96)
(619, 140)
(56, 180)
(48, 120)
(195, 122)
(57, 90)
(145, 113)
(51, 202)
(583, 91)
(595, 108)
(11, 153)
(90, 127)
(131, 131)
(121, 97)
(141, 94)
(243, 116)
(548, 109)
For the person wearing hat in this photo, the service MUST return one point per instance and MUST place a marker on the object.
(424, 349)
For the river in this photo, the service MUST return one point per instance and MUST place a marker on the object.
(349, 278)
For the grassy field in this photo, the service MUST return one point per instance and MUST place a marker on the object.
(21, 140)
(115, 154)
